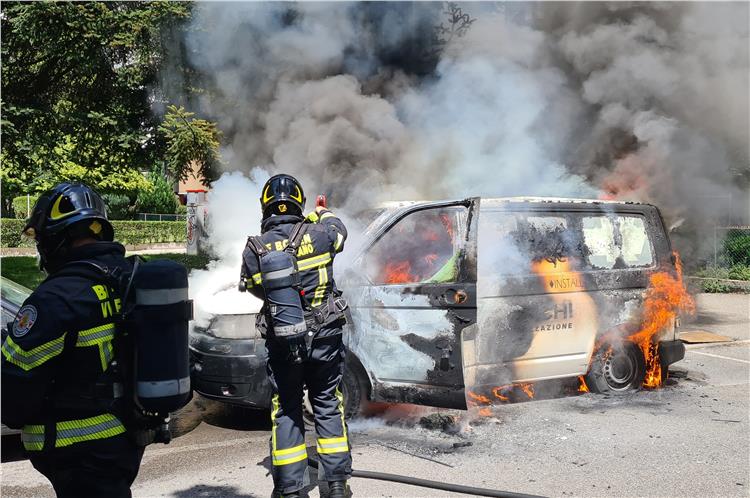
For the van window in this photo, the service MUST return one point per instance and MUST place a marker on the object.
(636, 248)
(423, 247)
(510, 242)
(599, 237)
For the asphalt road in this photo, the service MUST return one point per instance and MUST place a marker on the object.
(690, 438)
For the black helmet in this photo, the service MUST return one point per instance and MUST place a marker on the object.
(282, 194)
(68, 211)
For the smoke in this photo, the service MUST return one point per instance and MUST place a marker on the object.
(369, 102)
(234, 213)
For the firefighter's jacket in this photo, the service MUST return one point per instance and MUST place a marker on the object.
(324, 237)
(55, 352)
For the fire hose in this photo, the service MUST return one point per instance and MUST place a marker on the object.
(426, 483)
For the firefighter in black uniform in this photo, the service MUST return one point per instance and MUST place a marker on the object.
(58, 349)
(319, 363)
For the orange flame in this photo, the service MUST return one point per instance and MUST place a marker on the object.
(528, 388)
(497, 392)
(666, 297)
(582, 387)
(485, 412)
(398, 273)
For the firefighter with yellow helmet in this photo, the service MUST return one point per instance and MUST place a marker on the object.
(290, 267)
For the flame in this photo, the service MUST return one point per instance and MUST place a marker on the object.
(528, 388)
(485, 412)
(398, 273)
(666, 297)
(582, 387)
(479, 398)
(497, 392)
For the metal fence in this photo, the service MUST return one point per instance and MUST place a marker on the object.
(731, 246)
(161, 217)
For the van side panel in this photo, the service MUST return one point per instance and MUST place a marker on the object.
(554, 278)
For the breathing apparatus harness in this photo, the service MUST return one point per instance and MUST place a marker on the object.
(286, 315)
(141, 385)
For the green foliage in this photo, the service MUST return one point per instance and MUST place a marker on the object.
(79, 83)
(181, 209)
(126, 232)
(739, 272)
(118, 206)
(22, 206)
(715, 286)
(10, 233)
(736, 249)
(190, 140)
(149, 232)
(160, 198)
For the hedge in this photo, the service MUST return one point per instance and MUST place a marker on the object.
(127, 232)
(20, 205)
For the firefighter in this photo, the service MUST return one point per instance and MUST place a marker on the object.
(317, 361)
(58, 353)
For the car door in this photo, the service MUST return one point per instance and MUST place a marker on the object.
(420, 293)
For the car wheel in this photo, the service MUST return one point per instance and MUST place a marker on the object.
(616, 369)
(353, 400)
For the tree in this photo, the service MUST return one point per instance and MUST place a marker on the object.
(189, 140)
(79, 82)
(158, 198)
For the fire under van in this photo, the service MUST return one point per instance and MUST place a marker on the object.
(455, 301)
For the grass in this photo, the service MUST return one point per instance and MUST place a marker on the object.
(24, 269)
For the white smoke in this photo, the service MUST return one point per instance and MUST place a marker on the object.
(234, 213)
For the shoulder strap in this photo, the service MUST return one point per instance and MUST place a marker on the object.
(295, 238)
(255, 244)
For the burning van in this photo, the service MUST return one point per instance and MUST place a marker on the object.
(458, 303)
(461, 301)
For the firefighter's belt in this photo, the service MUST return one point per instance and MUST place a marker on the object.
(330, 312)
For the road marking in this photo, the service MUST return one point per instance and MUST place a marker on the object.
(720, 356)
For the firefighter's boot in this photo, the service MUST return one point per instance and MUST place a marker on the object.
(337, 489)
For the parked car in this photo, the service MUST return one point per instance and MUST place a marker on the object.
(12, 296)
(470, 295)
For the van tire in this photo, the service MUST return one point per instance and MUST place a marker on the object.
(619, 372)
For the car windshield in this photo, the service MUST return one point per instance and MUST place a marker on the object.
(233, 327)
(12, 292)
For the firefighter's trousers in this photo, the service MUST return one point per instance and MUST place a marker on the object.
(106, 467)
(321, 373)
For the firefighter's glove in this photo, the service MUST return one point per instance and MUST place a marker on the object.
(319, 214)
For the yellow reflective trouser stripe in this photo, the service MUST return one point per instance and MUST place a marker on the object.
(333, 445)
(320, 290)
(256, 279)
(289, 455)
(73, 431)
(314, 262)
(102, 337)
(34, 357)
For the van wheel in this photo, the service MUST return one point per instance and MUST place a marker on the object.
(354, 399)
(616, 369)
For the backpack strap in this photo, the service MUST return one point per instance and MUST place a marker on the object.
(295, 238)
(255, 244)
